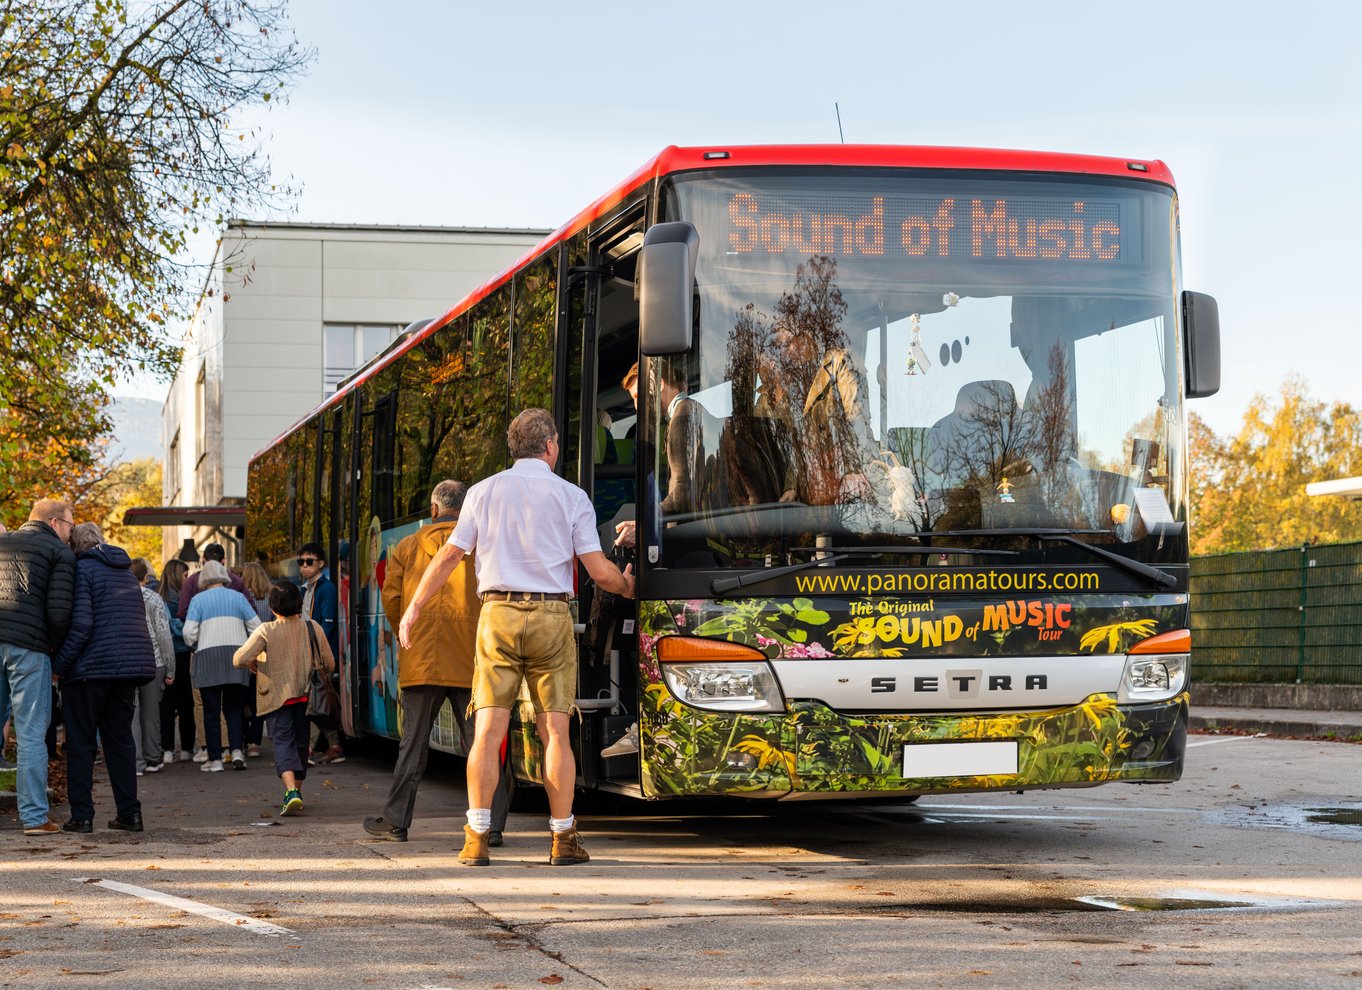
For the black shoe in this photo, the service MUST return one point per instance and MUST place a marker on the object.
(133, 824)
(383, 829)
(494, 838)
(76, 825)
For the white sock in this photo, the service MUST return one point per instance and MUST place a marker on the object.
(562, 824)
(480, 819)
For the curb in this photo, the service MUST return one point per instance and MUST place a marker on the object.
(1290, 728)
(9, 802)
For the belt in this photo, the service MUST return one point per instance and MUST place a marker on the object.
(524, 596)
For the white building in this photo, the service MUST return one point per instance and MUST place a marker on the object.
(288, 311)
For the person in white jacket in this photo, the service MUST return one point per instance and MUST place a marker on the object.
(146, 720)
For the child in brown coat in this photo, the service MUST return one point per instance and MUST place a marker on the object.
(282, 654)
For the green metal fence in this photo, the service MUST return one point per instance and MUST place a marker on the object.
(1278, 616)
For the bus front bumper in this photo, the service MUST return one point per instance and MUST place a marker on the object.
(813, 751)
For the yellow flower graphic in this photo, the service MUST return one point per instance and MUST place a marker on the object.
(1115, 633)
(765, 753)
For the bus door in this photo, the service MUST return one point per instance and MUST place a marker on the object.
(602, 320)
(337, 484)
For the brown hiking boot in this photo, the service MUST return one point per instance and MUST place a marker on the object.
(474, 848)
(567, 849)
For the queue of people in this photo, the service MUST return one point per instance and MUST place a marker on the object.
(480, 599)
(89, 632)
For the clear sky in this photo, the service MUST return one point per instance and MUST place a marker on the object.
(519, 114)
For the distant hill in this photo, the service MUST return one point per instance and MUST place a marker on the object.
(137, 430)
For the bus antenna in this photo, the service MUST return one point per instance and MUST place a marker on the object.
(838, 111)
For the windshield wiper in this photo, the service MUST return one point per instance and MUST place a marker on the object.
(1158, 577)
(1139, 568)
(907, 550)
(719, 585)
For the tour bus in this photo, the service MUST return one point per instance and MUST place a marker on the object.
(906, 479)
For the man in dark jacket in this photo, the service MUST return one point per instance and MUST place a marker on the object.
(37, 575)
(190, 588)
(106, 657)
(321, 605)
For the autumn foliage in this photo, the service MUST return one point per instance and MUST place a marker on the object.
(1248, 490)
(119, 138)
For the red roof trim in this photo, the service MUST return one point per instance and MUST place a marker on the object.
(673, 159)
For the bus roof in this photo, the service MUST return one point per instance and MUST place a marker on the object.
(674, 159)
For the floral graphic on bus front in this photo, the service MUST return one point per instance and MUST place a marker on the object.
(814, 748)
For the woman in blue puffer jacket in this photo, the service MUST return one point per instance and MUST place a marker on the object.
(107, 655)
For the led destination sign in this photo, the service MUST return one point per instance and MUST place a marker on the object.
(988, 228)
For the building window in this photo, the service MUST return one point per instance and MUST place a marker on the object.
(201, 414)
(346, 347)
(173, 467)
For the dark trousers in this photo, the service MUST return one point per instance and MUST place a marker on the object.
(420, 707)
(103, 708)
(255, 725)
(289, 734)
(219, 700)
(178, 700)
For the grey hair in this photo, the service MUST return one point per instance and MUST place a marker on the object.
(85, 536)
(530, 432)
(213, 572)
(449, 495)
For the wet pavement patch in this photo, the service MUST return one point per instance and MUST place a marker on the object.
(1334, 816)
(1022, 905)
(1331, 822)
(1053, 905)
(1164, 904)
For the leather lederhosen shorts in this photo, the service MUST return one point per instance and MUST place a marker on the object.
(525, 640)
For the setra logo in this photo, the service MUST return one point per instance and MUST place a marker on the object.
(962, 683)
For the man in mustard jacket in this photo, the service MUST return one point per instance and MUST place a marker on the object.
(437, 666)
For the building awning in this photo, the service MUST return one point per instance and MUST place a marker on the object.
(1347, 487)
(219, 516)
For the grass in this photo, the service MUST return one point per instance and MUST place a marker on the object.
(7, 780)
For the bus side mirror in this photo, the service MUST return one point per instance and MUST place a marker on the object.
(1201, 344)
(666, 280)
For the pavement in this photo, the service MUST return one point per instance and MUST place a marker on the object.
(1288, 723)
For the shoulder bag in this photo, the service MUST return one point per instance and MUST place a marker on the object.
(321, 694)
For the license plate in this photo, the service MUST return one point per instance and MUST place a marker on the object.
(965, 759)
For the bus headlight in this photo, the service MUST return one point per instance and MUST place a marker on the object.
(1153, 678)
(719, 676)
(1156, 668)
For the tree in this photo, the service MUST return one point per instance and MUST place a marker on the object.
(1248, 491)
(117, 142)
(129, 485)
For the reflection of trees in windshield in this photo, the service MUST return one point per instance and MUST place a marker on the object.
(798, 429)
(1006, 454)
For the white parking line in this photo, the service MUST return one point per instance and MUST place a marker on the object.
(1218, 739)
(193, 907)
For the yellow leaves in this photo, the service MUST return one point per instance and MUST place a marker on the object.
(1115, 632)
(1248, 489)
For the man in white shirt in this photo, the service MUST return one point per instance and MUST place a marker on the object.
(529, 527)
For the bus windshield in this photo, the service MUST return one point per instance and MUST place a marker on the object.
(883, 354)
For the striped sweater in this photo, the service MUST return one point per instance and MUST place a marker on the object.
(218, 621)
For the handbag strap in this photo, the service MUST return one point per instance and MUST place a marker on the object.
(312, 640)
